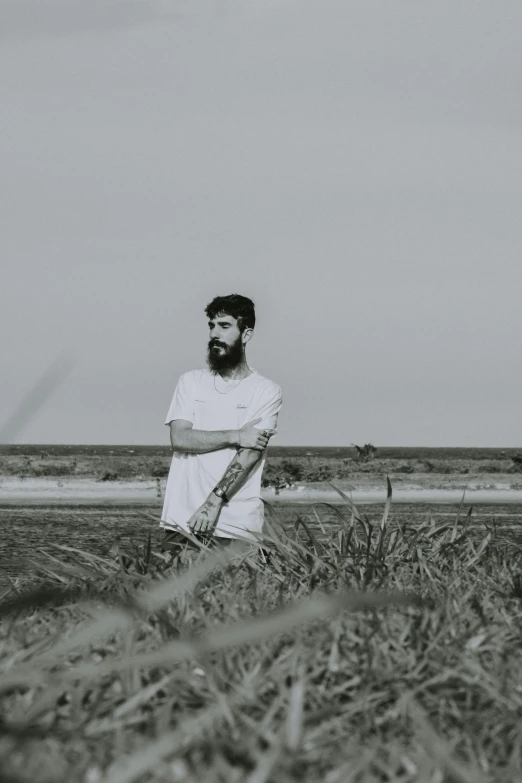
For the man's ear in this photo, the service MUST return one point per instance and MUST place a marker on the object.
(247, 334)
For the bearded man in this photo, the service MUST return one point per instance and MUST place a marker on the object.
(220, 420)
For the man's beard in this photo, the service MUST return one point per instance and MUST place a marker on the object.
(228, 359)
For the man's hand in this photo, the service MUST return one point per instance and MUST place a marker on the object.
(204, 520)
(251, 438)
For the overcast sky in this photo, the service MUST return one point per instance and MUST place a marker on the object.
(353, 167)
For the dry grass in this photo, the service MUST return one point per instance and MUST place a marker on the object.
(139, 464)
(360, 652)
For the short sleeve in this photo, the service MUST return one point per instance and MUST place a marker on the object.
(182, 405)
(268, 409)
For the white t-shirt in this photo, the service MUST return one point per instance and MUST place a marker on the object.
(192, 477)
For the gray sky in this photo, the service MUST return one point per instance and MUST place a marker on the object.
(354, 167)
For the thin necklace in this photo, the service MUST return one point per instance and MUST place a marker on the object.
(232, 387)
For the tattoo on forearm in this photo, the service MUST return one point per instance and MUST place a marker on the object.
(232, 473)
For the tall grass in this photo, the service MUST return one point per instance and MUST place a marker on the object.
(360, 650)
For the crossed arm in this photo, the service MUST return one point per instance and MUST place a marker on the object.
(204, 520)
(244, 462)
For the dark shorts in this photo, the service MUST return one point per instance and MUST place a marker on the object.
(176, 543)
(174, 540)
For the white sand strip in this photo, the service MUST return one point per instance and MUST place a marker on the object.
(70, 490)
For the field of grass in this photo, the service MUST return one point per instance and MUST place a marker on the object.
(358, 652)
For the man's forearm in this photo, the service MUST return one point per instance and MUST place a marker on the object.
(239, 469)
(205, 519)
(202, 441)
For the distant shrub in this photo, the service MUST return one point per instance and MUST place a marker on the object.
(14, 469)
(159, 470)
(444, 468)
(292, 470)
(406, 468)
(517, 462)
(438, 467)
(109, 475)
(54, 469)
(490, 467)
(124, 468)
(366, 452)
(323, 472)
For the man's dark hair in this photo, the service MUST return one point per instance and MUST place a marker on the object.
(239, 307)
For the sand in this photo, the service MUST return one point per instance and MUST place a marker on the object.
(425, 489)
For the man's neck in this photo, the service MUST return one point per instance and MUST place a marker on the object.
(237, 373)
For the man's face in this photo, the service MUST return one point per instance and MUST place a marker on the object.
(225, 346)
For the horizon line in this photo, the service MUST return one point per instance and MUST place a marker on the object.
(281, 445)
